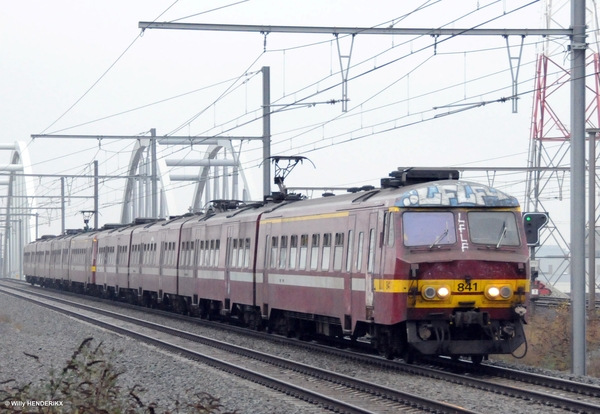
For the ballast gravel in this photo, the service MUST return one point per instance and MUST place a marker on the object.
(52, 337)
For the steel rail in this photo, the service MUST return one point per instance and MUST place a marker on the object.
(580, 389)
(353, 384)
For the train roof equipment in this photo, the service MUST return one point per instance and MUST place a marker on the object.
(281, 173)
(410, 176)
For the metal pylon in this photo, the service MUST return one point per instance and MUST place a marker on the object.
(549, 145)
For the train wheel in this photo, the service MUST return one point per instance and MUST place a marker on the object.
(476, 359)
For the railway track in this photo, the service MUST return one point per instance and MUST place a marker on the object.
(335, 392)
(568, 395)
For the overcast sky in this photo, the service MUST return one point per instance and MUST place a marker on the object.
(81, 67)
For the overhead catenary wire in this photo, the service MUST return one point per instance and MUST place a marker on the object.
(393, 61)
(320, 124)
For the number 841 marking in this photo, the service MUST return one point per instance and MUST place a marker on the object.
(467, 287)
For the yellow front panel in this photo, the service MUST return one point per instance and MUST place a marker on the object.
(469, 294)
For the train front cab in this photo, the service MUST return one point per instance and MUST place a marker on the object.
(460, 281)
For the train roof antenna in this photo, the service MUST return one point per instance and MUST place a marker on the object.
(281, 172)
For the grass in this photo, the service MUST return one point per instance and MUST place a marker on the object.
(89, 383)
(548, 335)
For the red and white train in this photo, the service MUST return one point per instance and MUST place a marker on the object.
(418, 266)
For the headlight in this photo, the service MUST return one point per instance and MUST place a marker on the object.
(492, 292)
(429, 292)
(443, 292)
(506, 292)
(495, 292)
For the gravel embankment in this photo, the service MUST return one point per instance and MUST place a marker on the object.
(53, 337)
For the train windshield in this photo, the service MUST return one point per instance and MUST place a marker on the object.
(493, 227)
(428, 228)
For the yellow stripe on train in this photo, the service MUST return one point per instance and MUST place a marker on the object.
(391, 286)
(462, 293)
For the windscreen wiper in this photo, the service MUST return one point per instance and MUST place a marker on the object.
(440, 237)
(502, 234)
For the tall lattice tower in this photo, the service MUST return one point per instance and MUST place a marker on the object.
(549, 148)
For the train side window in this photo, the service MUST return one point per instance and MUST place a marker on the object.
(210, 254)
(191, 255)
(359, 251)
(188, 253)
(314, 251)
(283, 252)
(213, 249)
(247, 253)
(163, 253)
(206, 253)
(371, 257)
(195, 253)
(274, 244)
(293, 251)
(391, 233)
(200, 254)
(266, 251)
(349, 253)
(217, 251)
(241, 253)
(326, 251)
(234, 252)
(338, 251)
(303, 251)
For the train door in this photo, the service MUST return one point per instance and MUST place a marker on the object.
(162, 237)
(232, 237)
(371, 241)
(200, 252)
(94, 254)
(260, 265)
(348, 269)
(381, 242)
